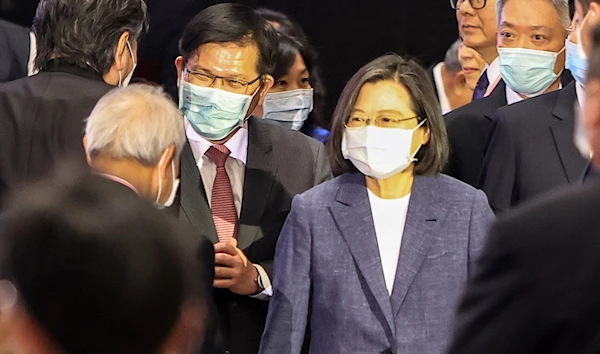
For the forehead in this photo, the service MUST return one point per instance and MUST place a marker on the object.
(530, 13)
(224, 58)
(384, 96)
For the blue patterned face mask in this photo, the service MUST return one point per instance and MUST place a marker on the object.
(526, 71)
(213, 113)
(577, 63)
(289, 108)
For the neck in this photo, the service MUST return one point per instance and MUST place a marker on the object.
(458, 93)
(394, 187)
(488, 54)
(139, 175)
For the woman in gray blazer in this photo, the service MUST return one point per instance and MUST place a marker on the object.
(375, 260)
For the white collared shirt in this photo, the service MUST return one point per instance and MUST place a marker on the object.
(32, 54)
(389, 219)
(439, 85)
(235, 165)
(580, 91)
(513, 97)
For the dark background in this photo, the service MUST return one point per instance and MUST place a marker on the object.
(346, 33)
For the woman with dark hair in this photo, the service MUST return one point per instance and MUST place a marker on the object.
(297, 99)
(375, 260)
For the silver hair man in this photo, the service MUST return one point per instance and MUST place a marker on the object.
(561, 6)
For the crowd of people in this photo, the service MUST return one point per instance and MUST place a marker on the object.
(235, 220)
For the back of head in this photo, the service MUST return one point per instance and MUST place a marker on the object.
(137, 122)
(593, 72)
(451, 62)
(86, 32)
(282, 23)
(96, 269)
(231, 23)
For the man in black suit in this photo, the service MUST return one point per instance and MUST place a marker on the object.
(14, 56)
(469, 126)
(531, 149)
(238, 173)
(134, 137)
(83, 50)
(537, 285)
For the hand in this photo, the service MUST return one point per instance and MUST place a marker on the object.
(233, 271)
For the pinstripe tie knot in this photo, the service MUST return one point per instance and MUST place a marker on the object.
(218, 154)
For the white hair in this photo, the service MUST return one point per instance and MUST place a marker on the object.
(561, 6)
(138, 121)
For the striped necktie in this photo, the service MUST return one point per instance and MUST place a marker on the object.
(222, 203)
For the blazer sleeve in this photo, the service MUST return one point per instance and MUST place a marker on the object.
(289, 307)
(499, 166)
(482, 218)
(492, 307)
(322, 167)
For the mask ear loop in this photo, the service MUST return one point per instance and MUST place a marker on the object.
(252, 99)
(420, 145)
(160, 179)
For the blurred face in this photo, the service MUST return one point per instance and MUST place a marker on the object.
(296, 78)
(532, 24)
(386, 101)
(586, 24)
(477, 28)
(472, 65)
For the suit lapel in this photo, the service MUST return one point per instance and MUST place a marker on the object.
(496, 100)
(194, 204)
(261, 172)
(423, 220)
(352, 214)
(562, 132)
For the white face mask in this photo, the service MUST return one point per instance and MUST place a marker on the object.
(379, 152)
(290, 108)
(123, 83)
(174, 189)
(580, 136)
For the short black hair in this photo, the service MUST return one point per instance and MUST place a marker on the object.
(85, 33)
(594, 64)
(231, 23)
(289, 48)
(97, 268)
(286, 26)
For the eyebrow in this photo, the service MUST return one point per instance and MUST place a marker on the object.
(533, 27)
(201, 69)
(387, 111)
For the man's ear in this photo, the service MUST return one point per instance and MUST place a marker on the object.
(179, 66)
(85, 148)
(167, 159)
(268, 82)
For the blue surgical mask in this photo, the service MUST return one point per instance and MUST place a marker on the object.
(577, 63)
(213, 113)
(289, 108)
(528, 72)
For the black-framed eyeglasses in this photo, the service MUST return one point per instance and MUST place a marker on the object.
(475, 4)
(206, 79)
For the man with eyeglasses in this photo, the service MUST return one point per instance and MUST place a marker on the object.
(531, 61)
(239, 173)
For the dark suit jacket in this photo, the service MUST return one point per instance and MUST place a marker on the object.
(531, 149)
(42, 120)
(281, 163)
(14, 51)
(468, 129)
(537, 283)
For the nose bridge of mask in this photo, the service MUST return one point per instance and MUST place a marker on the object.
(209, 96)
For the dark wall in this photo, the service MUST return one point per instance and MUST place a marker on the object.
(347, 33)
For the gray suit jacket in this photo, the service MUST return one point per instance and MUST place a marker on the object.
(328, 271)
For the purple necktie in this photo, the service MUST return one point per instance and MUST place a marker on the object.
(482, 86)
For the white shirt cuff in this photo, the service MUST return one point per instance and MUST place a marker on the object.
(268, 292)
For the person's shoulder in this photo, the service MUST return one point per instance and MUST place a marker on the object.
(531, 106)
(473, 110)
(284, 138)
(325, 192)
(452, 189)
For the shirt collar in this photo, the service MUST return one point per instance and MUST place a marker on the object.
(237, 144)
(439, 85)
(493, 70)
(580, 90)
(118, 180)
(512, 96)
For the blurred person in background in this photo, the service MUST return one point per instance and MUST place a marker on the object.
(374, 261)
(18, 51)
(84, 48)
(134, 137)
(239, 173)
(297, 99)
(86, 268)
(450, 81)
(531, 150)
(471, 63)
(537, 283)
(531, 43)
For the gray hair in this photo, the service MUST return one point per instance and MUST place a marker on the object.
(433, 156)
(451, 62)
(86, 32)
(561, 6)
(138, 121)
